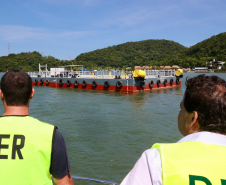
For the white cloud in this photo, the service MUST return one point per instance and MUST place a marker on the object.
(23, 33)
(135, 18)
(17, 33)
(164, 15)
(139, 15)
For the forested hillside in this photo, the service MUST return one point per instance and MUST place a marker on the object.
(147, 52)
(130, 54)
(199, 54)
(28, 61)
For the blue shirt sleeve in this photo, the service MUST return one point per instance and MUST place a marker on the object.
(60, 165)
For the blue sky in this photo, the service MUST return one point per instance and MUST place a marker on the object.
(70, 27)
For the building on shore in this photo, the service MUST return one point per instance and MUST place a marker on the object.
(215, 64)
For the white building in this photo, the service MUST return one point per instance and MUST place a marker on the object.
(215, 65)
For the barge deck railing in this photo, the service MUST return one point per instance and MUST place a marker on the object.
(102, 74)
(94, 180)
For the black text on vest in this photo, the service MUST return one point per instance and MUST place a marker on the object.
(193, 178)
(15, 149)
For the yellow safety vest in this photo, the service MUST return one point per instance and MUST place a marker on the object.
(192, 163)
(25, 151)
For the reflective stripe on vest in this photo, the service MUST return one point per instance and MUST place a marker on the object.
(25, 150)
(192, 163)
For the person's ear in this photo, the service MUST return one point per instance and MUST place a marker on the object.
(32, 93)
(2, 95)
(194, 121)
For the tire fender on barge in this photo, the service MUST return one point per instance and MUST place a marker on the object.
(94, 83)
(47, 81)
(68, 82)
(84, 83)
(36, 81)
(119, 84)
(76, 83)
(41, 81)
(151, 83)
(171, 81)
(106, 84)
(61, 82)
(165, 82)
(142, 84)
(158, 83)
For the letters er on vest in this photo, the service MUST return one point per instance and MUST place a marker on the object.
(16, 148)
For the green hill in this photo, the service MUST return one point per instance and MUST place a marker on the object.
(147, 52)
(142, 53)
(28, 61)
(202, 52)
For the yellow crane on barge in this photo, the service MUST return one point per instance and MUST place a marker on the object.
(71, 60)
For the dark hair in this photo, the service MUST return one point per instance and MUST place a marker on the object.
(16, 86)
(207, 96)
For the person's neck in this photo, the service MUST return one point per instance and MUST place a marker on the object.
(16, 110)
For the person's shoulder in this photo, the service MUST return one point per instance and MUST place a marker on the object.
(37, 122)
(58, 135)
(150, 153)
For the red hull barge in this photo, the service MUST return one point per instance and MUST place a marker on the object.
(119, 81)
(132, 87)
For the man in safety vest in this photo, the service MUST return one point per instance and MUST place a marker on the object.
(199, 157)
(30, 150)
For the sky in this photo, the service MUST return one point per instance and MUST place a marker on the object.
(60, 28)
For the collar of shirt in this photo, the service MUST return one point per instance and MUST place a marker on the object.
(205, 137)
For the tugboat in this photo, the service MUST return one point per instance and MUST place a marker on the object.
(119, 81)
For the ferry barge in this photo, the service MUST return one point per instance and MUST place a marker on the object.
(119, 81)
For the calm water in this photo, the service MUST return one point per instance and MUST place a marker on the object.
(106, 132)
